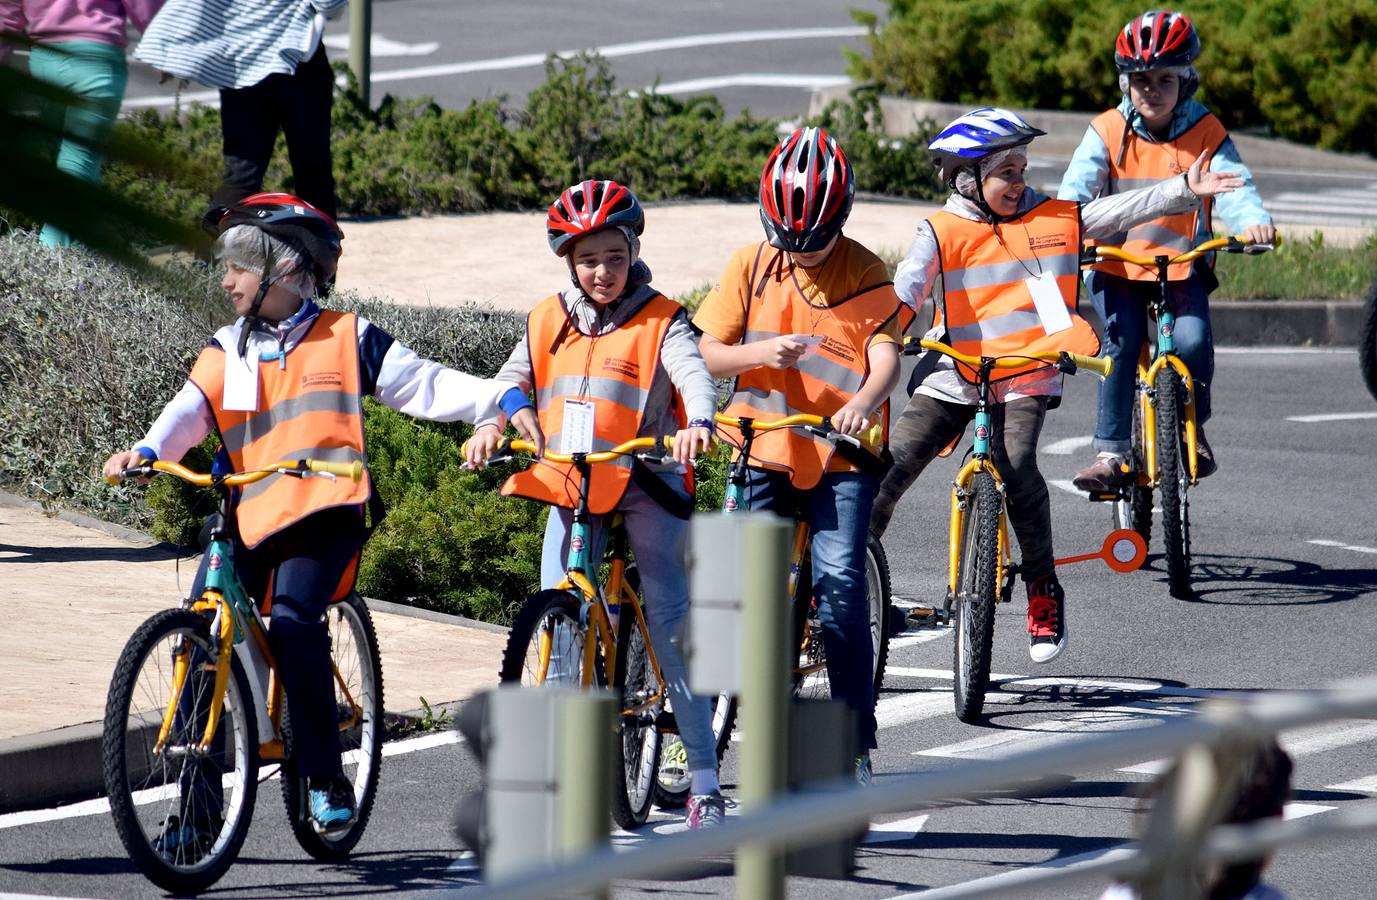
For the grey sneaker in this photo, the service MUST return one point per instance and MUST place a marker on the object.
(706, 810)
(863, 770)
(1101, 476)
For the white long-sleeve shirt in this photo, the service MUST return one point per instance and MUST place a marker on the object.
(1101, 219)
(389, 371)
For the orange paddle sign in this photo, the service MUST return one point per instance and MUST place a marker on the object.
(1124, 550)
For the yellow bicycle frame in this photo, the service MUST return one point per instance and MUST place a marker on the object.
(958, 522)
(1149, 412)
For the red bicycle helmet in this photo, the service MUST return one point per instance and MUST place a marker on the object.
(806, 191)
(291, 220)
(1160, 39)
(591, 206)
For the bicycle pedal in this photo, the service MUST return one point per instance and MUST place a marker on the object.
(925, 617)
(1103, 496)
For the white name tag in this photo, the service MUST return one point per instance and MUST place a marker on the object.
(1048, 301)
(241, 382)
(811, 341)
(576, 432)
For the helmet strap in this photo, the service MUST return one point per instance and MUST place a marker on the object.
(980, 200)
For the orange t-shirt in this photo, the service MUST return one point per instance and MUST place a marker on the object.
(849, 269)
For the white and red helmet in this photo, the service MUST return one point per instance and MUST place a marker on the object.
(806, 191)
(591, 206)
(1160, 39)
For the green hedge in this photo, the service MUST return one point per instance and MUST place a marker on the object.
(1302, 69)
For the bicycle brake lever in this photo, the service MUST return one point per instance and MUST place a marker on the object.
(1255, 249)
(1066, 364)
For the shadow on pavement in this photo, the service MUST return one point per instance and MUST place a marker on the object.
(16, 553)
(1268, 581)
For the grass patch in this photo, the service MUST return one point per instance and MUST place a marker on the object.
(1299, 270)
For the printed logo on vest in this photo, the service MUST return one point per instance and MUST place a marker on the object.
(319, 379)
(1045, 241)
(838, 349)
(627, 368)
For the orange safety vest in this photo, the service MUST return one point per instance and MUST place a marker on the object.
(308, 406)
(1142, 163)
(989, 309)
(818, 385)
(615, 371)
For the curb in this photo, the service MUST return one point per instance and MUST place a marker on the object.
(65, 765)
(1247, 323)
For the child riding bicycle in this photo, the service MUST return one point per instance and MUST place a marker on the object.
(808, 322)
(285, 381)
(611, 359)
(1008, 261)
(1152, 134)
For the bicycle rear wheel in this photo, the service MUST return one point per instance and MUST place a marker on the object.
(1173, 481)
(359, 702)
(181, 813)
(973, 603)
(638, 761)
(1133, 509)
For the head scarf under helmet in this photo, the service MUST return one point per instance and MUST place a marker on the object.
(969, 140)
(806, 191)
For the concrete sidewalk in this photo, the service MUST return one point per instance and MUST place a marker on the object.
(72, 594)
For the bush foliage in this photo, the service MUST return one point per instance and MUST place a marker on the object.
(1301, 69)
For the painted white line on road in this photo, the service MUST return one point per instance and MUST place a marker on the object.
(926, 636)
(1301, 810)
(1067, 446)
(1305, 742)
(1062, 729)
(759, 79)
(1029, 684)
(891, 712)
(900, 830)
(1064, 484)
(533, 60)
(1009, 880)
(1333, 417)
(1283, 351)
(1366, 785)
(1356, 548)
(424, 742)
(382, 45)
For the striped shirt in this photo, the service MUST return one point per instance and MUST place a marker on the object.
(234, 43)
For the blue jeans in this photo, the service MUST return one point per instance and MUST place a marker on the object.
(1123, 305)
(659, 542)
(838, 512)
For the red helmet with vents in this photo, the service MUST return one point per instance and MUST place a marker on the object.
(1161, 39)
(591, 206)
(291, 220)
(806, 191)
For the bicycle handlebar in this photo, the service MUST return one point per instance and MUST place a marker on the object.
(1067, 362)
(600, 456)
(300, 467)
(871, 438)
(1234, 243)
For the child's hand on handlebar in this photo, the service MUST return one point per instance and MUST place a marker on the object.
(851, 419)
(527, 424)
(114, 467)
(689, 442)
(480, 448)
(1207, 184)
(1260, 234)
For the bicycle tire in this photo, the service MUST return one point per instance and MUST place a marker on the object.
(1173, 482)
(877, 587)
(973, 603)
(145, 788)
(1367, 344)
(637, 759)
(354, 651)
(810, 680)
(1133, 509)
(558, 613)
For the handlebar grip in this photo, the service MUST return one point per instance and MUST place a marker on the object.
(351, 470)
(1100, 365)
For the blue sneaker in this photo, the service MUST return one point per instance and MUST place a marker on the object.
(184, 845)
(332, 807)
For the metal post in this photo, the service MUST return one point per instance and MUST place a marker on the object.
(584, 793)
(360, 46)
(765, 696)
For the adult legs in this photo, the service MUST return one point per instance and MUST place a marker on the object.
(248, 124)
(304, 100)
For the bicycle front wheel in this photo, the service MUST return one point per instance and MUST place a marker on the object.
(638, 735)
(1173, 481)
(973, 604)
(545, 647)
(359, 709)
(181, 812)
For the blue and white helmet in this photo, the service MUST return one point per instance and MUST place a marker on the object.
(977, 134)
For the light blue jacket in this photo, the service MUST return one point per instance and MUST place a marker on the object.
(1088, 173)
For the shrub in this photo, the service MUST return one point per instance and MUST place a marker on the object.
(1302, 69)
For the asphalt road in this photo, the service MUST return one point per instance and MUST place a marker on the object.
(1286, 558)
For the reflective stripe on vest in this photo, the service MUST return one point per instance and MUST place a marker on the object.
(615, 371)
(309, 407)
(988, 307)
(818, 385)
(1144, 164)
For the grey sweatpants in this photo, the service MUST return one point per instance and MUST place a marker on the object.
(927, 425)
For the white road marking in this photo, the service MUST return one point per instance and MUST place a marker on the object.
(1067, 446)
(535, 60)
(760, 79)
(900, 830)
(424, 742)
(1305, 742)
(1062, 729)
(1301, 810)
(1027, 684)
(1366, 785)
(1283, 351)
(1064, 484)
(925, 636)
(905, 708)
(381, 45)
(1333, 417)
(1017, 876)
(1356, 548)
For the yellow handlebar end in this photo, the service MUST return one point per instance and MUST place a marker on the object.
(356, 470)
(111, 479)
